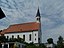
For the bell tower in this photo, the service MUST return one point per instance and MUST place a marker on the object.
(38, 20)
(38, 16)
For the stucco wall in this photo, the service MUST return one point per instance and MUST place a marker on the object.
(33, 36)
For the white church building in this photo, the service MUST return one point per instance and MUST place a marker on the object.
(30, 31)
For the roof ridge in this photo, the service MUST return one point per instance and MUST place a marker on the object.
(30, 26)
(22, 23)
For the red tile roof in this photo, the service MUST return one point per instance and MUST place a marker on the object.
(24, 27)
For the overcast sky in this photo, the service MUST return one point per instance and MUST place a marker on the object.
(21, 11)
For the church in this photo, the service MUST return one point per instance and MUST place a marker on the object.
(30, 31)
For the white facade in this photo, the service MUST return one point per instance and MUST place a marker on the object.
(34, 36)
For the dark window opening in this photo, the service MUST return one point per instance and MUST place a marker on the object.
(35, 34)
(7, 37)
(38, 38)
(18, 36)
(35, 39)
(37, 18)
(12, 36)
(24, 37)
(30, 37)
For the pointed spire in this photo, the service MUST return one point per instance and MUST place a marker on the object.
(2, 15)
(38, 12)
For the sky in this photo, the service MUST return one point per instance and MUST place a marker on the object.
(22, 11)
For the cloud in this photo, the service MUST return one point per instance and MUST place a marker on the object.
(54, 33)
(52, 13)
(47, 23)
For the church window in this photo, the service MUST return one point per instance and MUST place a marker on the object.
(24, 37)
(18, 36)
(12, 36)
(37, 18)
(30, 37)
(35, 39)
(35, 34)
(38, 38)
(7, 37)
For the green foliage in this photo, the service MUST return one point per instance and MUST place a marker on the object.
(2, 38)
(60, 43)
(50, 40)
(16, 40)
(42, 46)
(32, 45)
(60, 38)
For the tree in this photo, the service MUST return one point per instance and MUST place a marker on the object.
(60, 42)
(60, 38)
(50, 40)
(2, 38)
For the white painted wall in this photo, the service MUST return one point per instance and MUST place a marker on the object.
(26, 36)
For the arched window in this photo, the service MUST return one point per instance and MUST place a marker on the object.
(12, 36)
(24, 37)
(18, 36)
(29, 37)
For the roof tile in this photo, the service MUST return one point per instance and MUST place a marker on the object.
(24, 27)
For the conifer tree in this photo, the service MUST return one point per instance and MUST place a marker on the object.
(60, 42)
